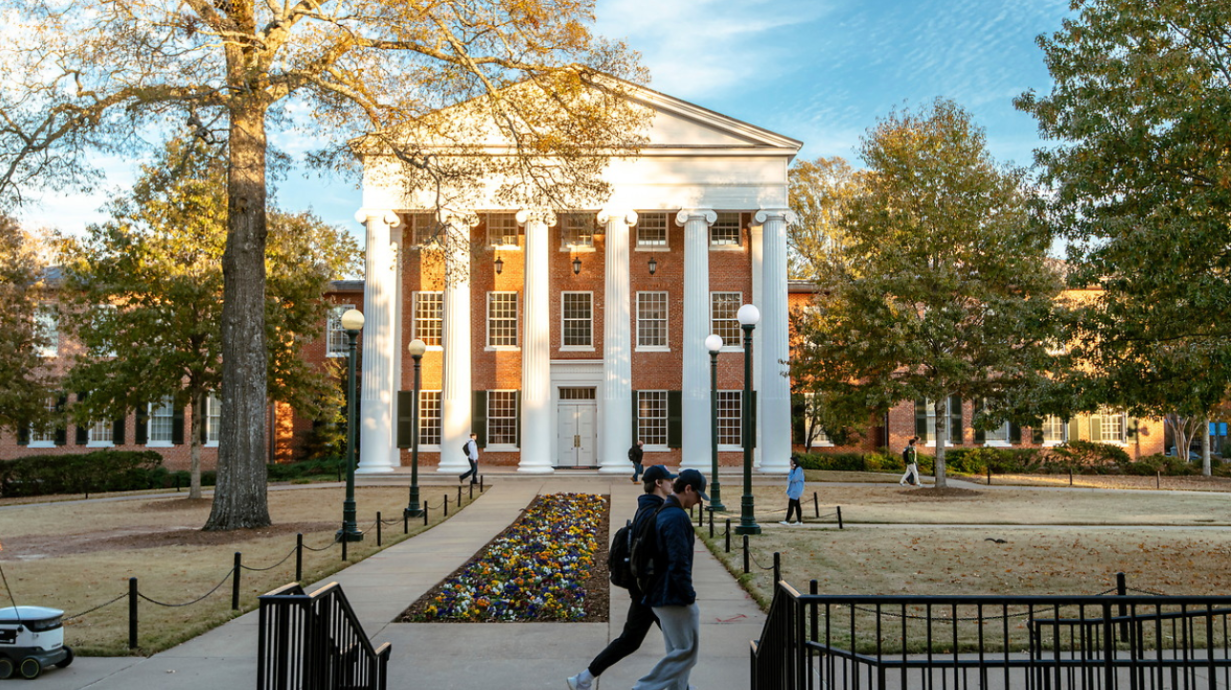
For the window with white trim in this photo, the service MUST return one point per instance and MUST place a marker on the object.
(652, 319)
(725, 232)
(577, 229)
(1054, 430)
(576, 320)
(729, 418)
(820, 437)
(101, 433)
(502, 418)
(652, 418)
(652, 230)
(429, 314)
(47, 437)
(429, 418)
(1108, 426)
(503, 230)
(47, 324)
(502, 319)
(998, 436)
(426, 230)
(213, 415)
(160, 422)
(337, 341)
(930, 427)
(723, 308)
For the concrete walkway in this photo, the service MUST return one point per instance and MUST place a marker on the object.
(461, 656)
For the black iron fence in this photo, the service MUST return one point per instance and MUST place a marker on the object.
(315, 642)
(1047, 642)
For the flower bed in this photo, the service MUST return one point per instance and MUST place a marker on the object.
(542, 568)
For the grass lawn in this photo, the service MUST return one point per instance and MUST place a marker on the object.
(76, 556)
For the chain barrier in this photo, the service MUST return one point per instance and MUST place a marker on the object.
(284, 560)
(190, 603)
(759, 565)
(1145, 591)
(79, 615)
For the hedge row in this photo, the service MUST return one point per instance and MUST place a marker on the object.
(1082, 457)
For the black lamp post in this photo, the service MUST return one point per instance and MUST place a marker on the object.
(352, 323)
(748, 316)
(416, 350)
(714, 343)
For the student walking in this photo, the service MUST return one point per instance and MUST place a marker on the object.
(671, 595)
(657, 484)
(911, 460)
(635, 457)
(471, 448)
(795, 489)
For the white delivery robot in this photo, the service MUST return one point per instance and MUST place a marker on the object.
(31, 638)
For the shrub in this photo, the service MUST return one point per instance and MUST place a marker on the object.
(102, 470)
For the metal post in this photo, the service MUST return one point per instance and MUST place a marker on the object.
(727, 536)
(748, 524)
(235, 583)
(838, 510)
(349, 532)
(481, 484)
(425, 513)
(471, 488)
(344, 549)
(446, 506)
(813, 612)
(132, 613)
(406, 527)
(778, 569)
(299, 557)
(459, 503)
(1122, 590)
(988, 469)
(412, 505)
(746, 553)
(716, 502)
(712, 523)
(701, 515)
(816, 506)
(378, 528)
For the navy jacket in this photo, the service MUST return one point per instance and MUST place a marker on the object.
(673, 584)
(647, 504)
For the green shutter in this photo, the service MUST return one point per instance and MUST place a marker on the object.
(177, 425)
(674, 407)
(83, 431)
(517, 418)
(405, 418)
(23, 434)
(479, 417)
(117, 432)
(141, 435)
(61, 430)
(1072, 423)
(956, 420)
(799, 422)
(1096, 429)
(636, 410)
(1131, 428)
(980, 438)
(921, 418)
(1015, 434)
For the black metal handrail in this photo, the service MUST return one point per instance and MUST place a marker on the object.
(315, 642)
(985, 641)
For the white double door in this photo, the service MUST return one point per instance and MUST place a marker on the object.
(575, 433)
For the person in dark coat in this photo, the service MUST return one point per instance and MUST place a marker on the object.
(635, 457)
(671, 595)
(657, 484)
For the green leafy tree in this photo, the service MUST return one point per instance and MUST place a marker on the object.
(1139, 175)
(97, 74)
(25, 383)
(944, 287)
(818, 189)
(147, 288)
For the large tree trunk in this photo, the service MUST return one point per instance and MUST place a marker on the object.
(240, 496)
(941, 432)
(194, 448)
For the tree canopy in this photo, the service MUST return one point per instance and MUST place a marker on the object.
(817, 190)
(25, 384)
(1139, 183)
(944, 288)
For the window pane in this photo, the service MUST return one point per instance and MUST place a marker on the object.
(502, 418)
(723, 308)
(425, 229)
(503, 229)
(652, 417)
(502, 319)
(652, 319)
(48, 326)
(820, 437)
(578, 229)
(429, 307)
(337, 343)
(729, 418)
(160, 421)
(1000, 434)
(47, 435)
(1054, 429)
(930, 431)
(652, 230)
(726, 230)
(575, 319)
(430, 418)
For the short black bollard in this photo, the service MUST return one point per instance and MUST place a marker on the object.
(378, 529)
(425, 512)
(712, 523)
(177, 483)
(481, 483)
(701, 515)
(446, 506)
(235, 583)
(989, 471)
(459, 498)
(132, 613)
(406, 527)
(838, 510)
(1157, 474)
(816, 507)
(472, 491)
(1071, 476)
(778, 570)
(344, 549)
(813, 612)
(727, 537)
(746, 554)
(299, 557)
(1122, 590)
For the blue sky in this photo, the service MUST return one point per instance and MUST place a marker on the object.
(821, 71)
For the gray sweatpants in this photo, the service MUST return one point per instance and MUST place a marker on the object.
(681, 639)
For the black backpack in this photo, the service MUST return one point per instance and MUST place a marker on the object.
(618, 558)
(466, 450)
(644, 551)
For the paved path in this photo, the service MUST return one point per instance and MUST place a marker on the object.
(461, 656)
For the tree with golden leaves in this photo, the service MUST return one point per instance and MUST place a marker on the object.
(97, 75)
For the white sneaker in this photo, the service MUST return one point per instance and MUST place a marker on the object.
(784, 522)
(575, 684)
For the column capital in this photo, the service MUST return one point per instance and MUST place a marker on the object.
(707, 213)
(766, 214)
(387, 216)
(609, 214)
(547, 217)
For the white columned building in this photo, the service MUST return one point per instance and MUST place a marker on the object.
(456, 341)
(774, 398)
(536, 346)
(617, 342)
(377, 338)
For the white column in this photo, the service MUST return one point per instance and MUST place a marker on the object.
(755, 252)
(695, 371)
(376, 443)
(774, 396)
(536, 346)
(617, 342)
(456, 339)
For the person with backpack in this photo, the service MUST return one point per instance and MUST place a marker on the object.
(911, 459)
(670, 592)
(635, 457)
(471, 448)
(656, 485)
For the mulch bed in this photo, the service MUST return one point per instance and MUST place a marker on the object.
(935, 494)
(597, 605)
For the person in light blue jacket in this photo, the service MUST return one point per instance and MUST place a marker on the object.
(795, 489)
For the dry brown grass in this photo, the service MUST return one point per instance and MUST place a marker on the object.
(1113, 481)
(77, 556)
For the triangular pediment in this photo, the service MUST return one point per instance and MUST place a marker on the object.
(678, 124)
